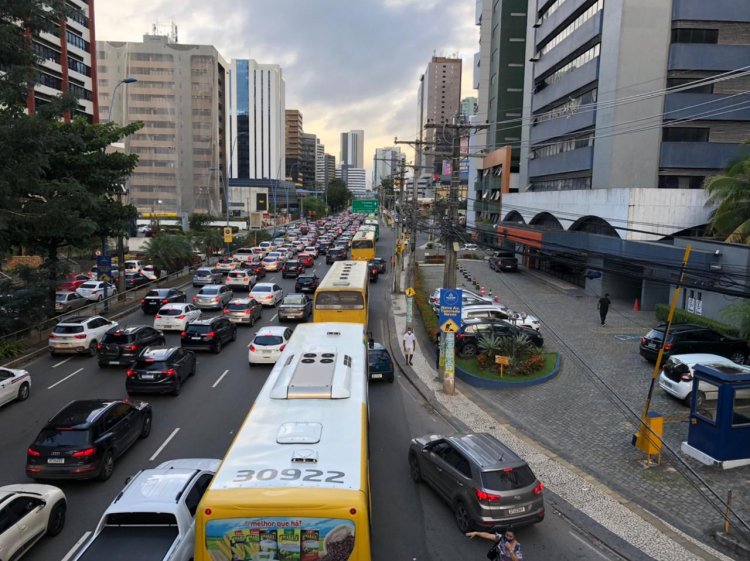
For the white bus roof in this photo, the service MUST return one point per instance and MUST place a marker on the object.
(345, 274)
(305, 429)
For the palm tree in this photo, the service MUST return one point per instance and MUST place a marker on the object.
(169, 252)
(730, 194)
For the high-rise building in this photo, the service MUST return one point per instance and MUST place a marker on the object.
(439, 103)
(470, 106)
(387, 163)
(353, 148)
(180, 97)
(68, 63)
(294, 131)
(307, 165)
(330, 169)
(355, 179)
(256, 134)
(320, 165)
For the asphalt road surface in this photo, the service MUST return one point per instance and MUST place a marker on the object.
(409, 521)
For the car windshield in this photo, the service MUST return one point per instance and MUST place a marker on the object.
(268, 340)
(304, 280)
(655, 334)
(68, 329)
(508, 479)
(61, 297)
(63, 437)
(261, 288)
(339, 300)
(294, 299)
(208, 291)
(170, 311)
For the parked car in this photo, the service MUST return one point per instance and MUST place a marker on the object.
(154, 515)
(292, 269)
(306, 283)
(267, 345)
(295, 307)
(486, 483)
(68, 301)
(29, 512)
(267, 293)
(687, 339)
(244, 310)
(380, 363)
(676, 377)
(123, 345)
(94, 290)
(208, 333)
(71, 282)
(380, 263)
(207, 275)
(467, 337)
(175, 317)
(84, 438)
(503, 261)
(158, 297)
(160, 371)
(497, 311)
(78, 334)
(241, 279)
(15, 385)
(136, 280)
(468, 298)
(212, 296)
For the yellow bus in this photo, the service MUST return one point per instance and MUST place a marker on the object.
(295, 481)
(342, 294)
(363, 246)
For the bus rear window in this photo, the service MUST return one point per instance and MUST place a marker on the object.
(361, 244)
(340, 300)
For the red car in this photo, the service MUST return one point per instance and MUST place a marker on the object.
(306, 259)
(72, 282)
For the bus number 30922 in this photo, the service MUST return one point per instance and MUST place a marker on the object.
(313, 475)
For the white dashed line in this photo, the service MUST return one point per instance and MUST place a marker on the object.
(164, 444)
(216, 383)
(274, 317)
(75, 547)
(61, 362)
(66, 377)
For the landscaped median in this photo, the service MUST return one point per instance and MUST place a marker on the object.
(468, 370)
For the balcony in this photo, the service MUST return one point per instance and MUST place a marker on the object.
(567, 162)
(722, 58)
(569, 83)
(563, 125)
(713, 10)
(587, 33)
(681, 106)
(699, 155)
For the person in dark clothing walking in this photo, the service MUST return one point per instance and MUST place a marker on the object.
(603, 307)
(437, 350)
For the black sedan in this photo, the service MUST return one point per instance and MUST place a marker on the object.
(84, 439)
(124, 345)
(211, 334)
(161, 371)
(156, 298)
(292, 269)
(380, 263)
(295, 307)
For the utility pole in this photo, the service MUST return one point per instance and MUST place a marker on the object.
(399, 234)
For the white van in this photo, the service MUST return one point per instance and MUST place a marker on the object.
(500, 312)
(133, 265)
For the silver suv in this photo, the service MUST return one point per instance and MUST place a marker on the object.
(488, 485)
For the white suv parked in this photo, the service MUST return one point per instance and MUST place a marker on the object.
(78, 334)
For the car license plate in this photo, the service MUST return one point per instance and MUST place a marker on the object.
(653, 345)
(147, 376)
(195, 338)
(55, 460)
(114, 362)
(266, 352)
(374, 376)
(517, 510)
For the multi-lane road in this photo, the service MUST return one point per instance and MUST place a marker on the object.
(409, 522)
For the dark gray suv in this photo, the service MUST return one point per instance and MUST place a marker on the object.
(488, 485)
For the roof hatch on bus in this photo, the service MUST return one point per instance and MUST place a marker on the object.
(318, 374)
(299, 433)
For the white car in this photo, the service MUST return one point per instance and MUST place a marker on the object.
(94, 290)
(78, 334)
(266, 346)
(133, 265)
(267, 293)
(312, 250)
(175, 317)
(469, 247)
(241, 278)
(497, 311)
(676, 377)
(28, 512)
(15, 385)
(150, 272)
(468, 298)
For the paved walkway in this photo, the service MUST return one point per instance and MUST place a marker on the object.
(582, 421)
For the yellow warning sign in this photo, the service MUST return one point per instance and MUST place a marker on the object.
(104, 277)
(449, 326)
(410, 292)
(227, 235)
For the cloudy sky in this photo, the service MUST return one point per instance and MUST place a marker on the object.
(347, 64)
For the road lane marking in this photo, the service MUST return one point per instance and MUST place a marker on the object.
(216, 383)
(164, 444)
(66, 377)
(75, 547)
(274, 317)
(591, 547)
(62, 362)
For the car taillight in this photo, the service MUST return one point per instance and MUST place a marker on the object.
(282, 347)
(485, 496)
(52, 336)
(157, 316)
(459, 335)
(195, 299)
(32, 452)
(226, 311)
(247, 279)
(183, 334)
(687, 377)
(171, 372)
(99, 346)
(80, 336)
(165, 301)
(84, 453)
(131, 373)
(143, 300)
(181, 316)
(211, 334)
(248, 312)
(668, 347)
(216, 299)
(132, 348)
(538, 489)
(252, 348)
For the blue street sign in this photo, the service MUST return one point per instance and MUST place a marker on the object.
(104, 267)
(451, 300)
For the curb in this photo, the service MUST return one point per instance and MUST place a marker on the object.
(478, 382)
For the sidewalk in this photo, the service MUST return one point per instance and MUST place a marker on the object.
(636, 533)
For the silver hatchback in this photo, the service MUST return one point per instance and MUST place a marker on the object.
(488, 485)
(213, 296)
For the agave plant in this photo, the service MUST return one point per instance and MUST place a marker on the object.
(519, 348)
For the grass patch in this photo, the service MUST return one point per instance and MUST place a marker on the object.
(471, 366)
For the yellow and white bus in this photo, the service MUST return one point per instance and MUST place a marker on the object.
(363, 246)
(342, 295)
(295, 481)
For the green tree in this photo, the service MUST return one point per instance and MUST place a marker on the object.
(170, 252)
(730, 194)
(314, 207)
(338, 195)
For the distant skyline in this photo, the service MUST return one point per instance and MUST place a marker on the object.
(347, 65)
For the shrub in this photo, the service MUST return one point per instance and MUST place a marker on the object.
(483, 360)
(683, 316)
(10, 349)
(531, 365)
(519, 348)
(421, 299)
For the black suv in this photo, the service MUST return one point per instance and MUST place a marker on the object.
(335, 254)
(467, 338)
(123, 345)
(688, 338)
(158, 297)
(209, 333)
(504, 261)
(83, 440)
(292, 269)
(306, 283)
(161, 371)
